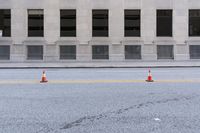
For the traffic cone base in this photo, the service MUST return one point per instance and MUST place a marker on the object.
(149, 80)
(43, 81)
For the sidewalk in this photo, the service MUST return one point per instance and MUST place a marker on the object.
(102, 64)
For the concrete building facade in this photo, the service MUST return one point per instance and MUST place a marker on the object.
(148, 40)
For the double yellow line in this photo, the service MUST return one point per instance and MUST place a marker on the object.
(93, 81)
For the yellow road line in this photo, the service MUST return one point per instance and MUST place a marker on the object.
(178, 81)
(119, 81)
(93, 81)
(19, 81)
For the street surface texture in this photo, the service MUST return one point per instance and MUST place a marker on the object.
(74, 106)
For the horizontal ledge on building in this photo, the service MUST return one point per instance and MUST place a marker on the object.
(67, 42)
(193, 42)
(35, 41)
(134, 41)
(100, 43)
(164, 42)
(6, 41)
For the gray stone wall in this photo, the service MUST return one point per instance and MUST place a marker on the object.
(84, 39)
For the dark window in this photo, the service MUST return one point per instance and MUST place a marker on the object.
(100, 52)
(35, 52)
(165, 52)
(4, 52)
(132, 52)
(67, 23)
(194, 22)
(164, 23)
(132, 23)
(68, 52)
(5, 22)
(100, 23)
(35, 23)
(194, 51)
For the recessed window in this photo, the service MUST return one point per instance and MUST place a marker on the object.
(100, 23)
(194, 22)
(164, 23)
(35, 52)
(35, 23)
(194, 51)
(4, 52)
(132, 23)
(132, 52)
(100, 52)
(165, 52)
(5, 22)
(68, 52)
(67, 23)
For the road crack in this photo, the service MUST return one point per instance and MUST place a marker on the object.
(88, 119)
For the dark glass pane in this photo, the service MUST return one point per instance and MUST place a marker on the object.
(35, 52)
(194, 51)
(100, 52)
(5, 22)
(35, 23)
(133, 52)
(67, 23)
(132, 23)
(164, 23)
(100, 23)
(4, 52)
(194, 22)
(67, 52)
(165, 52)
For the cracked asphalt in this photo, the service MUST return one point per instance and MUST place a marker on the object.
(168, 107)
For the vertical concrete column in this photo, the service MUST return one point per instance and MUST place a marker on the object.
(116, 21)
(180, 29)
(84, 21)
(18, 22)
(84, 29)
(18, 30)
(116, 29)
(51, 28)
(51, 21)
(148, 29)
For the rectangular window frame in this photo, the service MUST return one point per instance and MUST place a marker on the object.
(137, 55)
(159, 32)
(67, 27)
(5, 24)
(134, 16)
(160, 55)
(197, 15)
(103, 55)
(5, 52)
(96, 30)
(35, 56)
(196, 54)
(36, 15)
(68, 56)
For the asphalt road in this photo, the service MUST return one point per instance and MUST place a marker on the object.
(100, 101)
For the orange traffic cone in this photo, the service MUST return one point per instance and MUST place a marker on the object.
(44, 79)
(149, 78)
